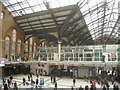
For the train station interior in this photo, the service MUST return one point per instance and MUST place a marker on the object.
(60, 44)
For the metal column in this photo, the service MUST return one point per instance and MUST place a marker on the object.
(0, 41)
(59, 57)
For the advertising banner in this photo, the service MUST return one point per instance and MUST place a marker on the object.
(2, 62)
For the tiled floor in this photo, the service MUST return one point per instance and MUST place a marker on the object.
(63, 82)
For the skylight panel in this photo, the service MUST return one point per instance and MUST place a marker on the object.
(36, 8)
(17, 6)
(43, 7)
(32, 2)
(64, 2)
(20, 0)
(54, 4)
(73, 1)
(12, 1)
(25, 4)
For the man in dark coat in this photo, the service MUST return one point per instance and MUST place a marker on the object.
(74, 81)
(23, 81)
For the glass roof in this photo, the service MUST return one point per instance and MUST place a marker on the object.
(101, 16)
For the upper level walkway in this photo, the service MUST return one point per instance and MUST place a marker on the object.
(69, 63)
(96, 55)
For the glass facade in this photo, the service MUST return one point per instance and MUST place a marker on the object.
(81, 53)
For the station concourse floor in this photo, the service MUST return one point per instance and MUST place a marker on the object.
(62, 82)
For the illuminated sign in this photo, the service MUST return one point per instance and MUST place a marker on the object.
(118, 49)
(2, 62)
(113, 55)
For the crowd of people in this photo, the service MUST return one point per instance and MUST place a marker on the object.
(9, 83)
(104, 85)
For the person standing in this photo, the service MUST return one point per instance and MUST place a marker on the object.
(32, 81)
(92, 87)
(94, 82)
(104, 87)
(8, 81)
(74, 81)
(30, 74)
(23, 81)
(28, 77)
(5, 86)
(80, 88)
(11, 77)
(117, 88)
(72, 88)
(54, 79)
(51, 78)
(15, 85)
(36, 82)
(107, 85)
(112, 80)
(37, 75)
(55, 85)
(0, 86)
(4, 80)
(86, 87)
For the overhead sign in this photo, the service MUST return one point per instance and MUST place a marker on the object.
(2, 63)
(118, 49)
(113, 55)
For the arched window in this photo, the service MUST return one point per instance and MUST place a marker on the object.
(31, 40)
(13, 41)
(43, 44)
(18, 46)
(30, 52)
(34, 50)
(2, 15)
(26, 46)
(7, 41)
(14, 36)
(34, 47)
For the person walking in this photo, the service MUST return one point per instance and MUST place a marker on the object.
(54, 79)
(37, 75)
(32, 81)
